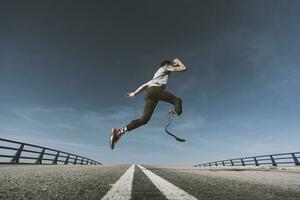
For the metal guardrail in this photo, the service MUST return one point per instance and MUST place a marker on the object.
(273, 159)
(39, 155)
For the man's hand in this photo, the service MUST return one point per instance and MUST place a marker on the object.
(130, 94)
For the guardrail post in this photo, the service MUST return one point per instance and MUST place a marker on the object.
(87, 161)
(16, 158)
(223, 163)
(243, 163)
(273, 161)
(81, 161)
(255, 160)
(67, 159)
(55, 159)
(231, 163)
(75, 161)
(297, 163)
(40, 158)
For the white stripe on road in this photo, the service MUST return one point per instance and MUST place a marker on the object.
(168, 189)
(121, 190)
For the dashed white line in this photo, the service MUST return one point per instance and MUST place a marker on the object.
(168, 189)
(121, 190)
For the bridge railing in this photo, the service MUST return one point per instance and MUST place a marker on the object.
(13, 152)
(272, 159)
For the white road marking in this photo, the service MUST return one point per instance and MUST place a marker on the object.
(168, 189)
(121, 190)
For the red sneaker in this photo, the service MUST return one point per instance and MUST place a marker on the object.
(114, 137)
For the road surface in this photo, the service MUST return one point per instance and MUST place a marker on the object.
(140, 182)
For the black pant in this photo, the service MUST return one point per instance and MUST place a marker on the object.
(153, 95)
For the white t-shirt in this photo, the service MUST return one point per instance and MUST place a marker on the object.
(161, 76)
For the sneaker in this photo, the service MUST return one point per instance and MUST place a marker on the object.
(114, 137)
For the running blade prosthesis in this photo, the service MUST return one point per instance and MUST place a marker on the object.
(171, 134)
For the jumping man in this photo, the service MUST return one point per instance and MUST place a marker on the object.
(155, 91)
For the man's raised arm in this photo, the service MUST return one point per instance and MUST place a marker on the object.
(176, 66)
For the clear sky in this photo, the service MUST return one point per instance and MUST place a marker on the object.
(65, 67)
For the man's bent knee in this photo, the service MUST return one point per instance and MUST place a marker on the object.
(144, 121)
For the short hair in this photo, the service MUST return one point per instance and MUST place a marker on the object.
(165, 62)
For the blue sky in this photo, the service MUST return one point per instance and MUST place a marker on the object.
(65, 68)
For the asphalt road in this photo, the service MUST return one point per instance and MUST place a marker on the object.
(140, 182)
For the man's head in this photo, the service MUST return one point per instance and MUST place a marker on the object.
(165, 62)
